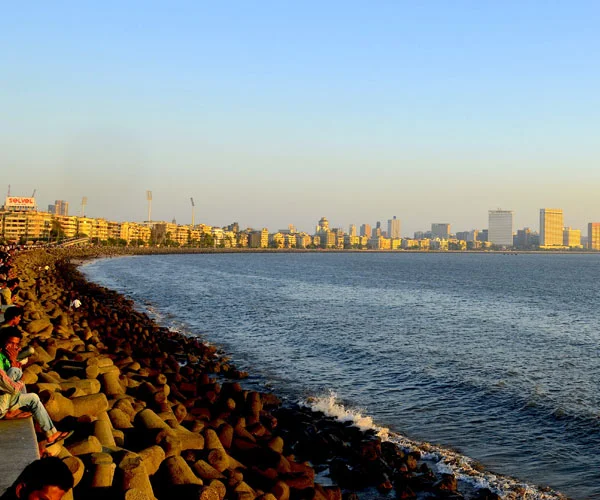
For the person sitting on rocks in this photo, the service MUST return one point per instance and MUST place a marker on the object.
(44, 479)
(12, 316)
(14, 401)
(74, 303)
(6, 292)
(10, 346)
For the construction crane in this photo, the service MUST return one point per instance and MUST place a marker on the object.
(33, 194)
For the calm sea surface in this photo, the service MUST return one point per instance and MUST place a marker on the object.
(495, 356)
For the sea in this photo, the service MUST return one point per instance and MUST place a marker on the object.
(488, 363)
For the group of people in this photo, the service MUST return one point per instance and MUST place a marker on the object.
(47, 478)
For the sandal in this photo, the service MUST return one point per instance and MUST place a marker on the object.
(59, 436)
(14, 414)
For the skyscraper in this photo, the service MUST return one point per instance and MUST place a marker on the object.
(551, 227)
(440, 230)
(393, 228)
(500, 227)
(352, 230)
(365, 230)
(61, 207)
(594, 235)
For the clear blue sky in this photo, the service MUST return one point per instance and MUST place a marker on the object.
(270, 113)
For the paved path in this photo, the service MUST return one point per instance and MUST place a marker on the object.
(18, 448)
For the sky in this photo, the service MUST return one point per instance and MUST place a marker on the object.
(273, 113)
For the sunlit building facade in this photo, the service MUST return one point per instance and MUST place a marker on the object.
(393, 228)
(551, 227)
(572, 237)
(594, 235)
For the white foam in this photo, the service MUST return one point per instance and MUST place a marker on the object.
(441, 460)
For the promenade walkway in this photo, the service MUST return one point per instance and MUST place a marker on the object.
(18, 448)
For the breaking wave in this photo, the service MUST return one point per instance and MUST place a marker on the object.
(468, 472)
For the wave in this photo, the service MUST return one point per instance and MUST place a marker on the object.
(467, 471)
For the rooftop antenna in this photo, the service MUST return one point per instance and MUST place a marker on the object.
(193, 206)
(83, 205)
(149, 198)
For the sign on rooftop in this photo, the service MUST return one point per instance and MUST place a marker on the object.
(18, 203)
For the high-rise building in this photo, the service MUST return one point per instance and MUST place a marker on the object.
(393, 228)
(352, 230)
(572, 237)
(594, 235)
(551, 227)
(440, 230)
(365, 230)
(61, 207)
(500, 227)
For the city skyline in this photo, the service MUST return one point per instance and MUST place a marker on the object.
(271, 114)
(384, 221)
(551, 234)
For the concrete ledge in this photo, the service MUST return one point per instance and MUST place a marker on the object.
(18, 448)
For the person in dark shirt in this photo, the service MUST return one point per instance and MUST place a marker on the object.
(45, 479)
(12, 316)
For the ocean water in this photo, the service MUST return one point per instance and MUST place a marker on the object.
(492, 359)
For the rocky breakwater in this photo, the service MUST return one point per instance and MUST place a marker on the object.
(156, 414)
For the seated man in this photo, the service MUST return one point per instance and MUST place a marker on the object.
(14, 401)
(46, 478)
(7, 291)
(12, 316)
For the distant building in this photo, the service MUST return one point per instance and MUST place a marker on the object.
(523, 239)
(440, 230)
(419, 235)
(593, 236)
(482, 235)
(60, 207)
(571, 237)
(500, 227)
(25, 225)
(259, 239)
(393, 231)
(463, 235)
(352, 230)
(365, 230)
(234, 227)
(551, 227)
(323, 225)
(326, 237)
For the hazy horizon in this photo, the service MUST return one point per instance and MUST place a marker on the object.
(273, 114)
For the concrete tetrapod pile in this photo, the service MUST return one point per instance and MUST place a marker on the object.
(156, 414)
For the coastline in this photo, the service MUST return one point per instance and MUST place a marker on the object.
(356, 460)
